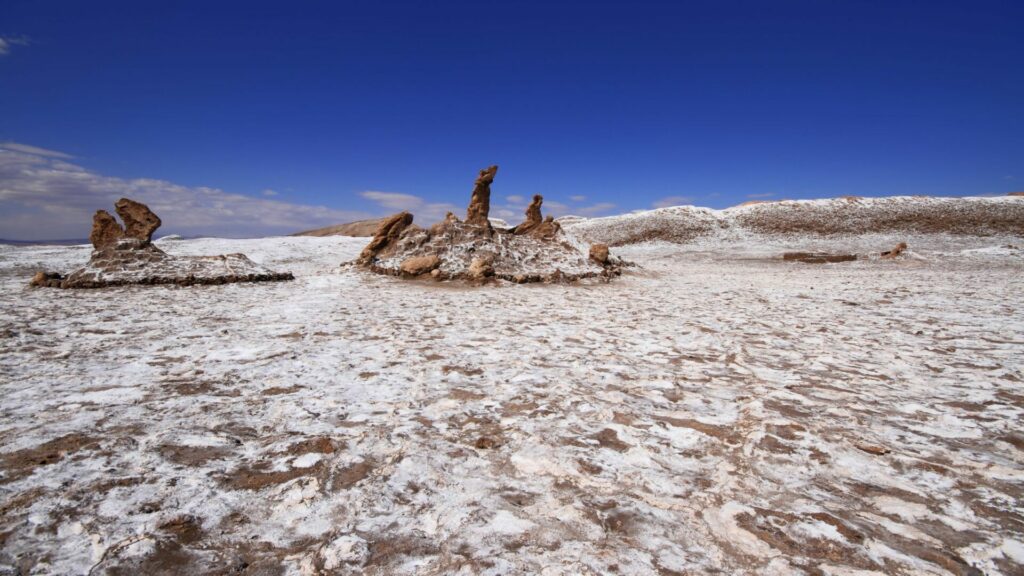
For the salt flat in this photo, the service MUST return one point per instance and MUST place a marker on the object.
(714, 410)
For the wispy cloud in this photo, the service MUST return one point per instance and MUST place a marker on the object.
(515, 199)
(425, 212)
(7, 41)
(269, 193)
(672, 201)
(43, 196)
(762, 195)
(578, 198)
(599, 209)
(34, 150)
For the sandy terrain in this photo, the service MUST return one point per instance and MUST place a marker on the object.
(716, 411)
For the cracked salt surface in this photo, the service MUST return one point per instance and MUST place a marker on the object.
(717, 409)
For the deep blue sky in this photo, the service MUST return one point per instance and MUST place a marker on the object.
(625, 103)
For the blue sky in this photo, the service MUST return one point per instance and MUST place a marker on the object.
(277, 116)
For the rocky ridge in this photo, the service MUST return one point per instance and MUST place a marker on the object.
(849, 215)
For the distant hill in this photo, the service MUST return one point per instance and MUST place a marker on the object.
(357, 228)
(977, 216)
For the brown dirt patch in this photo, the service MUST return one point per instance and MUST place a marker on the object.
(20, 464)
(193, 455)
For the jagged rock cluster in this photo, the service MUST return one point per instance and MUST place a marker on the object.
(474, 249)
(126, 255)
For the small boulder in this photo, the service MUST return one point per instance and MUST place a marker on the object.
(895, 251)
(481, 268)
(139, 221)
(420, 264)
(599, 253)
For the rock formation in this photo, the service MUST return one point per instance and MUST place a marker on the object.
(480, 201)
(105, 230)
(474, 250)
(599, 253)
(127, 255)
(387, 234)
(139, 221)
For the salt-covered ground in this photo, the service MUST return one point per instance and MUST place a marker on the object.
(716, 411)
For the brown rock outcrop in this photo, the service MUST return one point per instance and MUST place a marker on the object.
(533, 215)
(599, 253)
(480, 202)
(387, 233)
(476, 251)
(420, 264)
(895, 251)
(139, 221)
(105, 230)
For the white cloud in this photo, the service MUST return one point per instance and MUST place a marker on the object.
(269, 193)
(763, 195)
(515, 199)
(598, 209)
(7, 41)
(34, 150)
(672, 201)
(423, 211)
(42, 196)
(578, 198)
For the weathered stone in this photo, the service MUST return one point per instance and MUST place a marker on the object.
(387, 233)
(533, 215)
(895, 251)
(480, 201)
(420, 264)
(481, 268)
(105, 230)
(139, 221)
(599, 253)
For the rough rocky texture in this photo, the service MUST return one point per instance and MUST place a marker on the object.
(105, 230)
(599, 253)
(139, 221)
(420, 264)
(132, 258)
(481, 268)
(535, 224)
(535, 251)
(480, 201)
(818, 257)
(387, 233)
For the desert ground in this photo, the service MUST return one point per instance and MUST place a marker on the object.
(713, 410)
